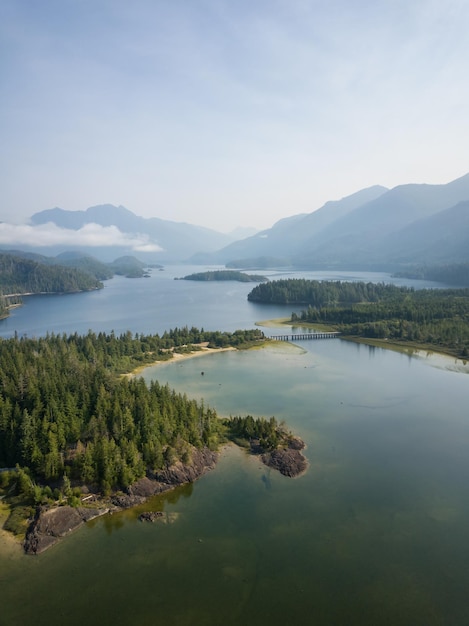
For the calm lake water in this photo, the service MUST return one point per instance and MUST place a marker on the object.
(375, 533)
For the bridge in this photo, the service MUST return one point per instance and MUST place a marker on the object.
(305, 336)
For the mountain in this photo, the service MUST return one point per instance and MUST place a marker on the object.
(363, 236)
(177, 240)
(375, 228)
(242, 233)
(440, 238)
(287, 235)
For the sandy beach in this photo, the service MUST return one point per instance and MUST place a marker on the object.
(202, 350)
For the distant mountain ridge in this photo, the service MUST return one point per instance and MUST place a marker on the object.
(177, 240)
(290, 233)
(373, 229)
(376, 228)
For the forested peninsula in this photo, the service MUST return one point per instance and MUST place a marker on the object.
(71, 425)
(428, 318)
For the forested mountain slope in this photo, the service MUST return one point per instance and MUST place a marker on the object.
(21, 276)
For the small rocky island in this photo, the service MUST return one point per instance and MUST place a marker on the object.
(289, 461)
(277, 447)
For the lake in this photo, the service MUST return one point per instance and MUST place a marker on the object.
(375, 533)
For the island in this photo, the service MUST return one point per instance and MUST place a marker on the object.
(222, 275)
(277, 447)
(81, 434)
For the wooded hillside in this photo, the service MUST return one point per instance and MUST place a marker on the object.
(20, 276)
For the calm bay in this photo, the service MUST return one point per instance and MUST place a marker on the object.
(376, 532)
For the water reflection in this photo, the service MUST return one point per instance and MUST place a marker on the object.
(115, 521)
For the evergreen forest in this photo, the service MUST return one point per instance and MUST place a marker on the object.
(67, 410)
(438, 318)
(226, 275)
(21, 276)
(451, 274)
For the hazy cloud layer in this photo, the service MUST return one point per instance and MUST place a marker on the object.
(91, 235)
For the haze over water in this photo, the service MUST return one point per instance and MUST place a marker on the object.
(376, 532)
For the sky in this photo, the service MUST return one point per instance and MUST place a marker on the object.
(227, 113)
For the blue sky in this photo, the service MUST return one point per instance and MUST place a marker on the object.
(227, 112)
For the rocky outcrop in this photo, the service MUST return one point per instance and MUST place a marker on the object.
(50, 524)
(288, 461)
(178, 474)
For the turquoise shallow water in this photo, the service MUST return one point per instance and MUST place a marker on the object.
(376, 532)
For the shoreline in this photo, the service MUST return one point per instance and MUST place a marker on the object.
(387, 344)
(202, 350)
(11, 546)
(51, 524)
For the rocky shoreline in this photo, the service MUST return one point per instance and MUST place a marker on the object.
(51, 524)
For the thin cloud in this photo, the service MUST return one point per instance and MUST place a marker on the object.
(91, 235)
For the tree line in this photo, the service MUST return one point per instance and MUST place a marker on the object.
(437, 317)
(450, 273)
(221, 275)
(322, 293)
(268, 433)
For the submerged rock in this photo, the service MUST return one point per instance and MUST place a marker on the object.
(150, 516)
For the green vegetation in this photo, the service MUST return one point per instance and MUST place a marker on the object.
(226, 275)
(451, 274)
(66, 412)
(321, 293)
(267, 433)
(127, 266)
(19, 276)
(5, 304)
(85, 263)
(436, 318)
